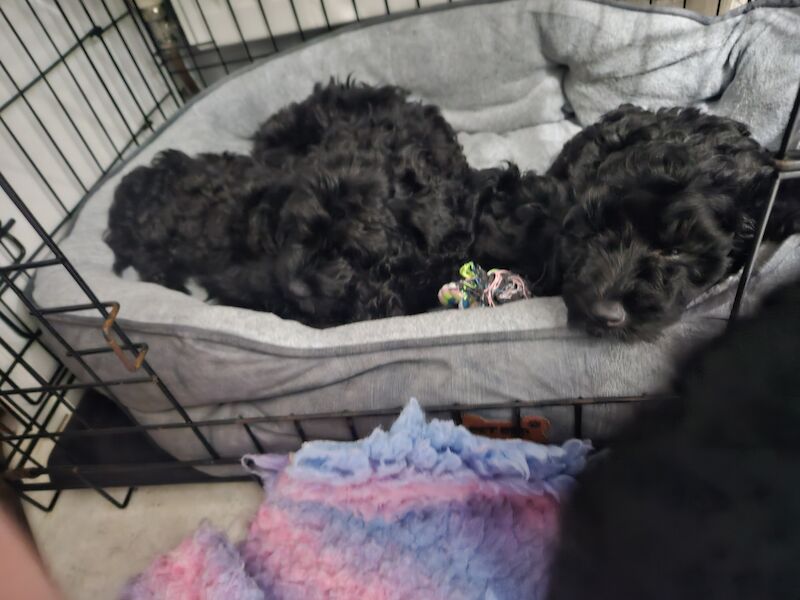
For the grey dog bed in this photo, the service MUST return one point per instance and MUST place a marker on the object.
(516, 78)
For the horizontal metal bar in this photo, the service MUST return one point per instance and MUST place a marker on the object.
(788, 165)
(33, 502)
(226, 62)
(197, 477)
(78, 386)
(34, 264)
(105, 350)
(378, 412)
(74, 308)
(87, 470)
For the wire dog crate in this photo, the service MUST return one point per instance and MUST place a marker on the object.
(86, 83)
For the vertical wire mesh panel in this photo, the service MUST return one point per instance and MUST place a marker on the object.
(203, 40)
(80, 88)
(213, 37)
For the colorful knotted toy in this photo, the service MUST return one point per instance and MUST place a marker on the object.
(481, 288)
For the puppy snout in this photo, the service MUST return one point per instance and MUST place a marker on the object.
(610, 313)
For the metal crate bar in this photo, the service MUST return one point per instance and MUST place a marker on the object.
(139, 347)
(132, 57)
(82, 45)
(297, 19)
(79, 386)
(211, 35)
(785, 169)
(34, 264)
(350, 415)
(36, 422)
(70, 213)
(33, 164)
(225, 63)
(17, 201)
(325, 13)
(62, 60)
(117, 68)
(62, 56)
(239, 30)
(73, 308)
(18, 358)
(19, 476)
(170, 85)
(44, 128)
(43, 78)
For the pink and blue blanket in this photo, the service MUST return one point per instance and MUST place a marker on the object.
(425, 510)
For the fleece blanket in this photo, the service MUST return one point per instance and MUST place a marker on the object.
(425, 510)
(516, 79)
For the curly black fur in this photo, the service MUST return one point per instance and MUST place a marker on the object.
(358, 204)
(664, 206)
(362, 204)
(702, 499)
(180, 217)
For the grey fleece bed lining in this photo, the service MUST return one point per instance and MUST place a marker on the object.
(722, 303)
(531, 71)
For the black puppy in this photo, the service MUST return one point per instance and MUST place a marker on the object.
(702, 499)
(357, 204)
(181, 217)
(664, 206)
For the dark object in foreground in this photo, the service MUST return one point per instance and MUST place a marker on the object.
(702, 500)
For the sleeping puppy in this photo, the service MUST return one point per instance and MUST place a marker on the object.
(181, 217)
(663, 206)
(358, 203)
(701, 500)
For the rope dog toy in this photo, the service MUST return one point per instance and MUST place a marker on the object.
(478, 287)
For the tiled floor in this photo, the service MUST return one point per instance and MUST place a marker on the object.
(91, 548)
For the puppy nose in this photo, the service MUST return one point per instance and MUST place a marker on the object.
(609, 312)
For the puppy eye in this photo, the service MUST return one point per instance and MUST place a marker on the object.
(671, 252)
